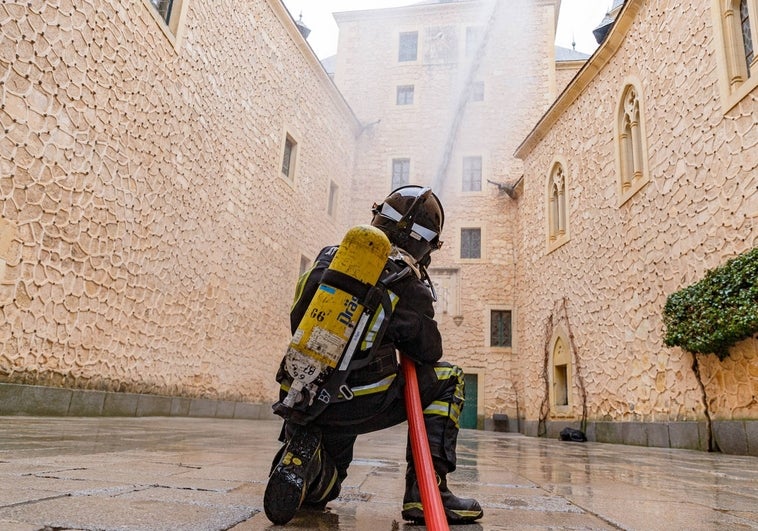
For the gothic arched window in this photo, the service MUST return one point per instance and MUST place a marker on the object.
(557, 207)
(747, 37)
(631, 148)
(736, 29)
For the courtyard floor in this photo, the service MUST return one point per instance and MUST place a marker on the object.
(164, 473)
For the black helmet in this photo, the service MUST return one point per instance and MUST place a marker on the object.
(412, 218)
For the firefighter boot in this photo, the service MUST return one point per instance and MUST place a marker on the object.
(298, 466)
(457, 510)
(325, 487)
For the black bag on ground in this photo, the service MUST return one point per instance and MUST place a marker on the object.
(570, 434)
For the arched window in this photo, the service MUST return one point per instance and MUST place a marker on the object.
(736, 32)
(631, 148)
(557, 207)
(747, 37)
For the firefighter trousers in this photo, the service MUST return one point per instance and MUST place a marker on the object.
(381, 404)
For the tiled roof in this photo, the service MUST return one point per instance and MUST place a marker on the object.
(568, 54)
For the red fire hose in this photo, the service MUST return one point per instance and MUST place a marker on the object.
(434, 512)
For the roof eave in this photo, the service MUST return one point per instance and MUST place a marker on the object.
(583, 78)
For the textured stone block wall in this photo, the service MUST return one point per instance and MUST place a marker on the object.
(699, 209)
(563, 76)
(147, 240)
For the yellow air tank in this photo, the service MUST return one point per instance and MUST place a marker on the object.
(336, 320)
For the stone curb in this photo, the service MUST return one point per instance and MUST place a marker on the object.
(37, 400)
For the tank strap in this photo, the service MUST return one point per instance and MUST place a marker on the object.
(369, 296)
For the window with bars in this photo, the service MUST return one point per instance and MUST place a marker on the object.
(404, 95)
(500, 328)
(472, 174)
(471, 243)
(408, 49)
(401, 171)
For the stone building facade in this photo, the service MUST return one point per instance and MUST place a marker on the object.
(159, 170)
(455, 87)
(150, 239)
(584, 284)
(641, 177)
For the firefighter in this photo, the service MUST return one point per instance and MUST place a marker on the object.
(314, 459)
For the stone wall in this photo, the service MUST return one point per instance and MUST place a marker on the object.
(149, 242)
(565, 72)
(699, 209)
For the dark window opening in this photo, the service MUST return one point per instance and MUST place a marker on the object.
(288, 161)
(332, 203)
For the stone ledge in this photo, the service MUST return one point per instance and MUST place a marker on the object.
(735, 437)
(37, 400)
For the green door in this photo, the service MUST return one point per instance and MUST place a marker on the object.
(468, 415)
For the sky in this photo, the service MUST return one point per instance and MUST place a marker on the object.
(575, 24)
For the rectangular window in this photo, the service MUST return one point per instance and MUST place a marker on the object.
(404, 95)
(401, 171)
(500, 328)
(473, 38)
(288, 160)
(408, 49)
(471, 243)
(332, 203)
(472, 174)
(477, 91)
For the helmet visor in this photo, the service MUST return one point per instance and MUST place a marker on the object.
(420, 232)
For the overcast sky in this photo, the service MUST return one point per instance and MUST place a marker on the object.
(577, 20)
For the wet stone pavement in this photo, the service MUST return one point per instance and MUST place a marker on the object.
(173, 474)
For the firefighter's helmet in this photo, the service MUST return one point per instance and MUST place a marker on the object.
(412, 218)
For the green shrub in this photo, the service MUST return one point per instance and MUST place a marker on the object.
(717, 312)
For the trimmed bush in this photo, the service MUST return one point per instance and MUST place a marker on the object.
(718, 311)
